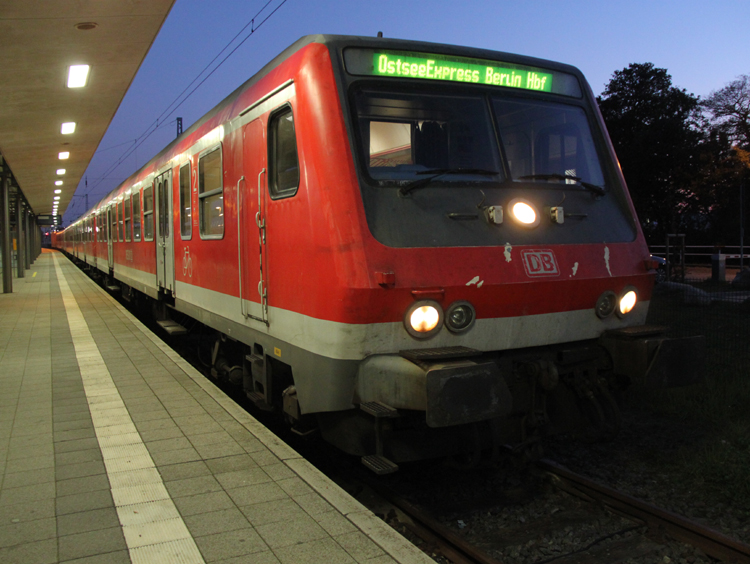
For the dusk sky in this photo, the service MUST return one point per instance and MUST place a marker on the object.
(703, 45)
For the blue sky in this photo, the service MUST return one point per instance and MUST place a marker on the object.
(704, 45)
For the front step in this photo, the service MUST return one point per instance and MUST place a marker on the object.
(113, 288)
(379, 464)
(172, 327)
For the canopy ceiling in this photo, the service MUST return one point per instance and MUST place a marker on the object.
(39, 40)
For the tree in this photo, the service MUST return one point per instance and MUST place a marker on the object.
(657, 131)
(730, 111)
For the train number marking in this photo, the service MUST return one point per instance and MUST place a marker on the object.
(539, 263)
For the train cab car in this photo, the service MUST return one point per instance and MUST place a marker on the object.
(417, 249)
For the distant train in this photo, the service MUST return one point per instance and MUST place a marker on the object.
(421, 250)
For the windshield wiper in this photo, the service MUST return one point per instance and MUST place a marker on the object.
(436, 172)
(588, 186)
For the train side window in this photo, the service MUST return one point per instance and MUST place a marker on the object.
(137, 216)
(126, 213)
(113, 230)
(211, 195)
(148, 213)
(186, 222)
(120, 220)
(282, 155)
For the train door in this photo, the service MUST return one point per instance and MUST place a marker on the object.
(251, 231)
(110, 237)
(164, 235)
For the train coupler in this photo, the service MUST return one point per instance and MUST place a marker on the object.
(377, 462)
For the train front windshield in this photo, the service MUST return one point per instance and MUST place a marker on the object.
(438, 137)
(475, 139)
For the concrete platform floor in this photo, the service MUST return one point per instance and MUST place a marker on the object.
(114, 450)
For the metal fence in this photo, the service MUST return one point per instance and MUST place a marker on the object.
(699, 304)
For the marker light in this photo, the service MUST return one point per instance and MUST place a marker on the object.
(460, 317)
(524, 213)
(605, 305)
(423, 319)
(78, 75)
(627, 302)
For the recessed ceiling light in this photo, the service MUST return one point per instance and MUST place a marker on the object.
(78, 75)
(58, 182)
(58, 191)
(56, 198)
(68, 127)
(60, 171)
(63, 155)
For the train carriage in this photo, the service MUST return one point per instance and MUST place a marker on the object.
(412, 247)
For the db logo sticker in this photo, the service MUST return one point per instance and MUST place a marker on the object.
(539, 263)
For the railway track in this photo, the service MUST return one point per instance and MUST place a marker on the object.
(648, 525)
(644, 531)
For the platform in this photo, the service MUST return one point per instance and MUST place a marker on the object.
(114, 449)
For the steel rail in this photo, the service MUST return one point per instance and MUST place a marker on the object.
(452, 545)
(710, 541)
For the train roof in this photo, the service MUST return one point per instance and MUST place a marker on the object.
(337, 43)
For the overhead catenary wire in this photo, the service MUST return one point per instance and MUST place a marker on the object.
(171, 108)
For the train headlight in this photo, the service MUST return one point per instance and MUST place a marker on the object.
(423, 319)
(627, 302)
(460, 317)
(523, 212)
(606, 304)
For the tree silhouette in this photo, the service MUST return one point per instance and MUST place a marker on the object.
(657, 131)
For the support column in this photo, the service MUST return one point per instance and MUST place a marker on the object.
(5, 246)
(20, 260)
(27, 238)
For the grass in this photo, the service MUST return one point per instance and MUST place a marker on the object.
(719, 406)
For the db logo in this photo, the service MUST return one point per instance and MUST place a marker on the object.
(540, 263)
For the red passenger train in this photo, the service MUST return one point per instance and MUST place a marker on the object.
(419, 249)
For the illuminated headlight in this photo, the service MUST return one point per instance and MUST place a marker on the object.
(606, 304)
(423, 319)
(627, 302)
(460, 317)
(523, 212)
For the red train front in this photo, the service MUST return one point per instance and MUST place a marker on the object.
(419, 249)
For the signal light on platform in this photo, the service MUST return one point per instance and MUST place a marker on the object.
(423, 319)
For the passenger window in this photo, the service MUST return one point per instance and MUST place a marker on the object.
(127, 211)
(282, 153)
(211, 195)
(186, 225)
(148, 213)
(113, 216)
(390, 144)
(137, 216)
(120, 221)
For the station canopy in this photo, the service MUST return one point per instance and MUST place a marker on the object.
(40, 40)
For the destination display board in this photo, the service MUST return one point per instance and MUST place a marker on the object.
(49, 220)
(432, 66)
